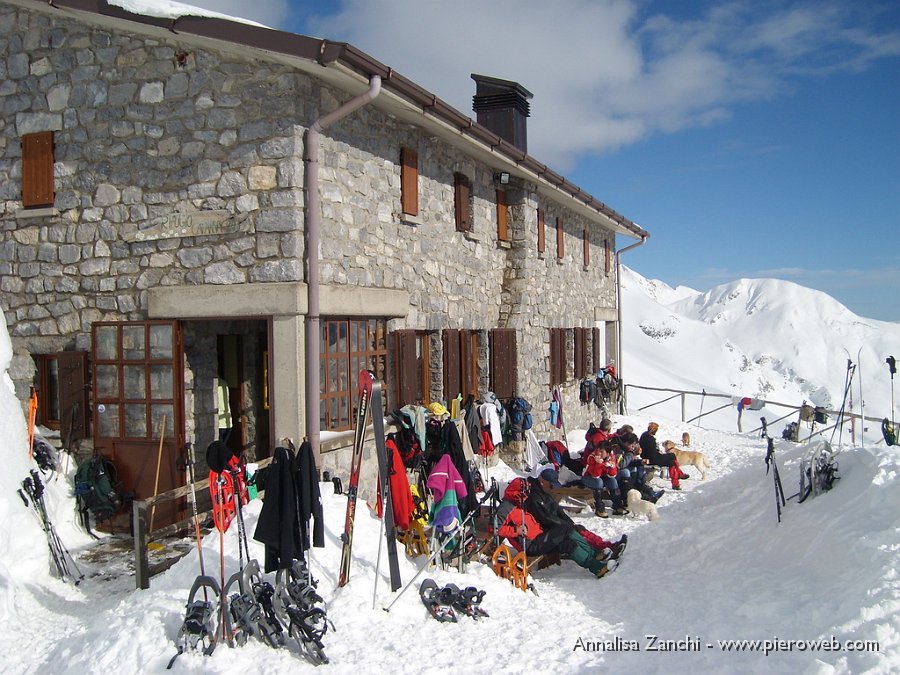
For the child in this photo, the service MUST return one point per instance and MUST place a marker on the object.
(600, 471)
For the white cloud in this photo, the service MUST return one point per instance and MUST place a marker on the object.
(604, 73)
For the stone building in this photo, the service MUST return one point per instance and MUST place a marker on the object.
(163, 182)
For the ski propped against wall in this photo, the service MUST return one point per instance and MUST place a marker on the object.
(366, 381)
(384, 487)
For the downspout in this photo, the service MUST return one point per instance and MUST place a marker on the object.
(619, 304)
(313, 225)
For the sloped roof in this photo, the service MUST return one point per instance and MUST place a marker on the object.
(349, 68)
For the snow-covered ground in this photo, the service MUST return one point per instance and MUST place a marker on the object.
(819, 590)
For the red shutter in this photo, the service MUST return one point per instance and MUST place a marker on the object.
(560, 239)
(37, 169)
(450, 339)
(541, 232)
(502, 219)
(406, 371)
(409, 181)
(462, 197)
(503, 362)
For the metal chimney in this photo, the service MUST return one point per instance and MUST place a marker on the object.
(502, 106)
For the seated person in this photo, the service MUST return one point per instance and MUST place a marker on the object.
(653, 455)
(632, 472)
(600, 472)
(562, 469)
(520, 526)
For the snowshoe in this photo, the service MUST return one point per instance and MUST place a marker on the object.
(438, 602)
(252, 608)
(467, 601)
(887, 430)
(308, 627)
(500, 562)
(201, 621)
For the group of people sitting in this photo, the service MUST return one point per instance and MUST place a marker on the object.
(532, 520)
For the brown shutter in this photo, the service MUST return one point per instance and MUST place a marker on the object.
(560, 239)
(586, 243)
(607, 251)
(595, 348)
(37, 169)
(468, 350)
(502, 218)
(541, 232)
(554, 356)
(503, 362)
(409, 181)
(405, 360)
(450, 338)
(73, 397)
(462, 196)
(580, 353)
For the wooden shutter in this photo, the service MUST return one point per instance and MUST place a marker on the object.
(560, 239)
(405, 363)
(555, 341)
(462, 196)
(468, 351)
(74, 412)
(503, 362)
(580, 353)
(541, 232)
(502, 219)
(586, 244)
(607, 252)
(37, 170)
(409, 181)
(450, 339)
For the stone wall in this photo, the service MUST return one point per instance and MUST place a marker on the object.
(147, 129)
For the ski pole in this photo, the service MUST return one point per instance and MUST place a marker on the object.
(434, 555)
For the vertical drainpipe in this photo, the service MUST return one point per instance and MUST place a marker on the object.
(313, 225)
(619, 303)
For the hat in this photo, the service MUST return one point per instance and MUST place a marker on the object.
(437, 409)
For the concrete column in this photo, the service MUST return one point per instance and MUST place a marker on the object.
(288, 377)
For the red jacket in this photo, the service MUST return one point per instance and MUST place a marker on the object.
(510, 527)
(598, 468)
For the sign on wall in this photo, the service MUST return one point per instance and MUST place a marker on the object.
(199, 224)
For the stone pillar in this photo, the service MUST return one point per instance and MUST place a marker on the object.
(288, 373)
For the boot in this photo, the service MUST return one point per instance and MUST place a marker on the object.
(599, 506)
(618, 506)
(675, 476)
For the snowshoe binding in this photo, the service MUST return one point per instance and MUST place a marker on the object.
(200, 627)
(438, 601)
(308, 627)
(467, 600)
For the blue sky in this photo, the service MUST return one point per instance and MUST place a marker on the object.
(751, 138)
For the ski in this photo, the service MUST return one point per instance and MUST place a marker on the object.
(384, 478)
(362, 412)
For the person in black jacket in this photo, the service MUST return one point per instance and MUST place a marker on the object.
(651, 452)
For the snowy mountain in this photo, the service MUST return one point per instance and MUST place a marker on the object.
(758, 338)
(716, 585)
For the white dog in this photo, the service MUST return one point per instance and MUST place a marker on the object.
(639, 507)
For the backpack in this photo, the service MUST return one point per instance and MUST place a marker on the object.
(95, 488)
(520, 418)
(45, 455)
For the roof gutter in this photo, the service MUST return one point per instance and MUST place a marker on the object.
(619, 304)
(313, 229)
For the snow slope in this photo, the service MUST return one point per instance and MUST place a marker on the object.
(716, 567)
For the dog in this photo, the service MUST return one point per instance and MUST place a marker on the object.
(686, 439)
(689, 458)
(638, 506)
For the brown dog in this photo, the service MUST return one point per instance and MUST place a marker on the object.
(686, 439)
(688, 458)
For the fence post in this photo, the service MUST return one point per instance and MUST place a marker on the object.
(141, 560)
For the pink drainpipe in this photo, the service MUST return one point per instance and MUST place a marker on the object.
(313, 224)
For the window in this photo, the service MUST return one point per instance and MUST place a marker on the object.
(412, 372)
(560, 239)
(462, 199)
(541, 233)
(409, 181)
(581, 352)
(607, 255)
(502, 217)
(460, 363)
(37, 170)
(557, 356)
(586, 246)
(503, 362)
(347, 346)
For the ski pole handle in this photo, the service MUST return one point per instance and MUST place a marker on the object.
(24, 498)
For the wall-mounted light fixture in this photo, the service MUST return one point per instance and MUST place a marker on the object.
(501, 178)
